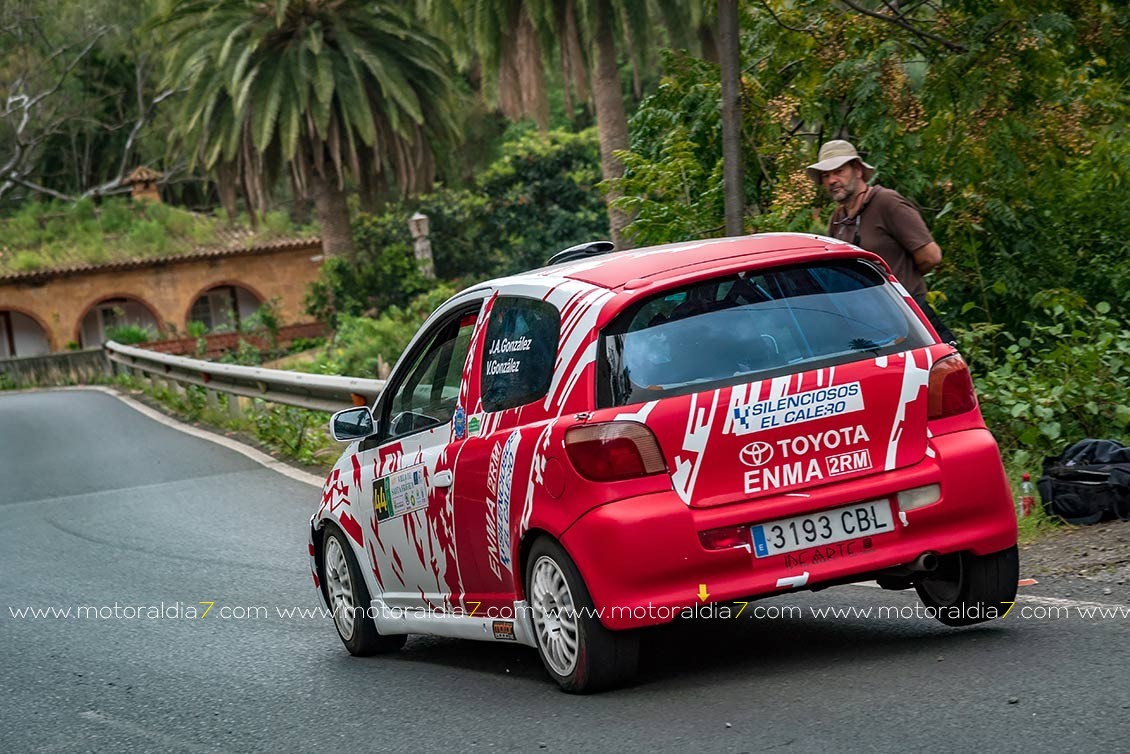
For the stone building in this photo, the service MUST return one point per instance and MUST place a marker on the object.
(49, 310)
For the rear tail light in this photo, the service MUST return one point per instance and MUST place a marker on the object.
(611, 451)
(951, 388)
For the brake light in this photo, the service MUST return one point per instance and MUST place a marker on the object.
(610, 451)
(950, 390)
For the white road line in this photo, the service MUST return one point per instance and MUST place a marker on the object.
(254, 454)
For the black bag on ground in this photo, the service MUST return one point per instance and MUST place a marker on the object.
(1088, 483)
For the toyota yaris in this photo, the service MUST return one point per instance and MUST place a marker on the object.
(564, 456)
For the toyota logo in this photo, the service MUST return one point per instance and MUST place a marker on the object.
(756, 453)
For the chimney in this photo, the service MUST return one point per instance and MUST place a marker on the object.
(143, 184)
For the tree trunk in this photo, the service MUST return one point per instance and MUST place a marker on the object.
(333, 216)
(732, 175)
(531, 71)
(707, 42)
(227, 186)
(611, 122)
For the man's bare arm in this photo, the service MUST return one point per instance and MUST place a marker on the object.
(927, 257)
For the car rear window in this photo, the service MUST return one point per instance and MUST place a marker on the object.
(753, 325)
(521, 345)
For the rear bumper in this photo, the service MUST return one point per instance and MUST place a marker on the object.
(643, 562)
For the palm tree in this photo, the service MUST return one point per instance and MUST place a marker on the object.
(588, 36)
(322, 90)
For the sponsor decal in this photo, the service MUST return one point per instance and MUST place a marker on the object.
(756, 454)
(460, 422)
(802, 445)
(505, 482)
(503, 630)
(500, 478)
(798, 408)
(474, 425)
(801, 460)
(399, 493)
(845, 463)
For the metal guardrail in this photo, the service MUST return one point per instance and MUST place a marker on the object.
(313, 391)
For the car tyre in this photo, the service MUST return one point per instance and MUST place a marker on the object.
(975, 584)
(348, 598)
(576, 649)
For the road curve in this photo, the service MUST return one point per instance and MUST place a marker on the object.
(101, 506)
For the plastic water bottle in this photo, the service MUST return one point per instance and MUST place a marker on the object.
(1027, 495)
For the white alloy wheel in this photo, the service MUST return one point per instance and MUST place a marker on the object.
(339, 586)
(555, 616)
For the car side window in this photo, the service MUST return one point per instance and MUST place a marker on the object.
(428, 396)
(521, 347)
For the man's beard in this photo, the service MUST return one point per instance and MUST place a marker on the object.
(847, 191)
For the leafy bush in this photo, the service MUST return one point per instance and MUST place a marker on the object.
(130, 334)
(1062, 380)
(361, 342)
(539, 197)
(298, 433)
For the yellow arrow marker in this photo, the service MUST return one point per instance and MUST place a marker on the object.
(702, 593)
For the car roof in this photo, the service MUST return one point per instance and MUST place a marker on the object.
(655, 263)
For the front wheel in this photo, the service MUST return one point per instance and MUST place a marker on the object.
(575, 648)
(348, 598)
(967, 588)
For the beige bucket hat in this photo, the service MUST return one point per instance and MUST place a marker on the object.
(834, 154)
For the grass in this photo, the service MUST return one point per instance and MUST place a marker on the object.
(43, 235)
(1038, 525)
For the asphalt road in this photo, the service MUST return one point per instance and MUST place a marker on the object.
(100, 505)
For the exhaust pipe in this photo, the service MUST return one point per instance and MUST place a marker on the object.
(924, 563)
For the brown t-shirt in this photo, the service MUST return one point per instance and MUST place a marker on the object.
(889, 225)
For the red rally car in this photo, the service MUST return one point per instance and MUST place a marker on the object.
(563, 456)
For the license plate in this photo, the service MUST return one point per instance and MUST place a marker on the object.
(836, 525)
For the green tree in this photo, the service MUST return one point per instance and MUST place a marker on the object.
(319, 90)
(513, 38)
(78, 98)
(1005, 123)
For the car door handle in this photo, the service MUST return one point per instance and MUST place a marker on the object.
(442, 479)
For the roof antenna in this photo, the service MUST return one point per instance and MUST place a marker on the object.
(580, 251)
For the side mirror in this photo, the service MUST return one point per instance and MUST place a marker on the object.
(352, 424)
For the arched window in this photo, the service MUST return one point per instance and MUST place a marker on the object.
(20, 335)
(223, 308)
(124, 319)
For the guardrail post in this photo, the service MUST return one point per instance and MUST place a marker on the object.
(235, 410)
(212, 400)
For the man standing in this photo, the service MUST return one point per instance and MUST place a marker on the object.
(879, 220)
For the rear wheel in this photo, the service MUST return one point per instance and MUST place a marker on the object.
(967, 589)
(349, 599)
(576, 649)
